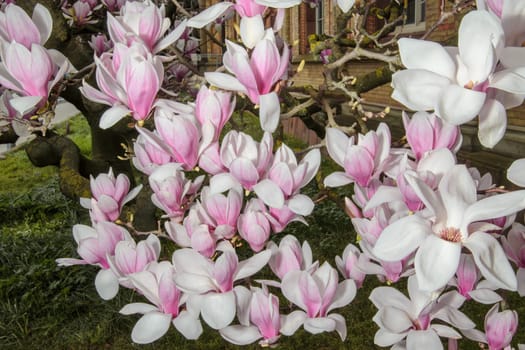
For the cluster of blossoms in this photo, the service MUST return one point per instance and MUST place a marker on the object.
(418, 213)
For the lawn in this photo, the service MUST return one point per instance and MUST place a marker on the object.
(43, 306)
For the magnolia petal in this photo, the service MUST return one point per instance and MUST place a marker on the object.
(458, 105)
(485, 296)
(224, 81)
(427, 339)
(492, 123)
(106, 284)
(431, 275)
(188, 325)
(269, 111)
(516, 172)
(336, 144)
(113, 115)
(252, 30)
(428, 55)
(393, 320)
(279, 4)
(401, 238)
(240, 335)
(385, 338)
(337, 179)
(291, 322)
(171, 37)
(418, 89)
(137, 308)
(209, 15)
(150, 327)
(512, 56)
(495, 206)
(491, 260)
(218, 309)
(252, 265)
(43, 21)
(510, 80)
(455, 318)
(446, 331)
(344, 295)
(270, 193)
(24, 104)
(319, 325)
(301, 204)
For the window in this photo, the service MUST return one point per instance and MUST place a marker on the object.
(416, 14)
(313, 23)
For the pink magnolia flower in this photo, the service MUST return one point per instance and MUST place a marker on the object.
(95, 246)
(148, 157)
(286, 177)
(131, 257)
(15, 25)
(172, 191)
(246, 159)
(213, 109)
(407, 322)
(211, 283)
(143, 22)
(79, 13)
(100, 44)
(109, 195)
(29, 72)
(348, 264)
(253, 225)
(442, 237)
(500, 327)
(158, 286)
(363, 161)
(259, 317)
(426, 132)
(317, 294)
(514, 246)
(115, 5)
(290, 256)
(129, 80)
(468, 282)
(192, 233)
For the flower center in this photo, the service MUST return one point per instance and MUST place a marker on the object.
(450, 234)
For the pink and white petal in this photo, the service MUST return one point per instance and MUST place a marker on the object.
(150, 327)
(193, 283)
(446, 331)
(345, 293)
(301, 204)
(428, 340)
(291, 322)
(270, 193)
(495, 207)
(458, 105)
(43, 21)
(106, 284)
(418, 89)
(516, 172)
(512, 57)
(188, 260)
(225, 81)
(188, 325)
(169, 39)
(491, 260)
(509, 80)
(454, 317)
(218, 309)
(393, 320)
(457, 190)
(337, 143)
(485, 296)
(137, 308)
(438, 161)
(94, 95)
(243, 298)
(319, 325)
(24, 104)
(431, 275)
(113, 115)
(337, 179)
(492, 123)
(252, 265)
(251, 30)
(209, 15)
(240, 335)
(340, 325)
(385, 338)
(384, 194)
(269, 111)
(401, 238)
(427, 55)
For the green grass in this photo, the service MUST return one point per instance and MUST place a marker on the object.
(43, 306)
